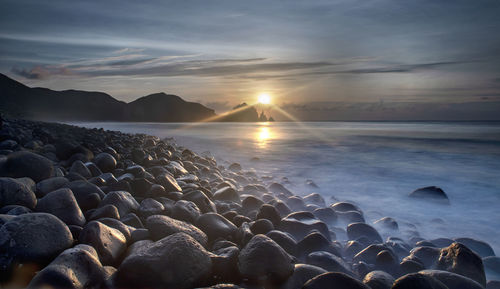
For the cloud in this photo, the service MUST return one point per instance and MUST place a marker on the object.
(403, 68)
(219, 106)
(36, 72)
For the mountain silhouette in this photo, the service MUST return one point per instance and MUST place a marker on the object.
(20, 101)
(243, 113)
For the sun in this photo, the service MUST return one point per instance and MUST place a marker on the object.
(264, 98)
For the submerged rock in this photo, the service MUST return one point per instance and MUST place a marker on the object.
(457, 258)
(334, 280)
(430, 193)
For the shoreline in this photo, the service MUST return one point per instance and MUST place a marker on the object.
(211, 210)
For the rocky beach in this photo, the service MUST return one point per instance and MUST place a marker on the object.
(89, 208)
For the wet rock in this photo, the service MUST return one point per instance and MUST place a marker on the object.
(105, 162)
(118, 225)
(358, 230)
(132, 220)
(78, 167)
(427, 255)
(51, 184)
(109, 243)
(177, 261)
(161, 226)
(430, 193)
(279, 189)
(296, 203)
(62, 204)
(251, 204)
(452, 280)
(122, 200)
(150, 207)
(216, 226)
(235, 167)
(387, 223)
(106, 211)
(75, 268)
(227, 194)
(86, 194)
(378, 280)
(352, 248)
(345, 207)
(261, 226)
(328, 261)
(410, 266)
(334, 280)
(168, 182)
(481, 248)
(32, 238)
(315, 241)
(225, 265)
(277, 267)
(270, 213)
(369, 254)
(201, 200)
(27, 164)
(14, 192)
(326, 215)
(492, 264)
(285, 240)
(301, 274)
(185, 211)
(459, 259)
(300, 224)
(350, 217)
(417, 281)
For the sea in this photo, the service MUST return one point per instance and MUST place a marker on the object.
(372, 164)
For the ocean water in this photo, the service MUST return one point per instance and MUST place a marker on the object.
(373, 164)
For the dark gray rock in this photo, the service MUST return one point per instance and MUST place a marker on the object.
(176, 261)
(150, 207)
(33, 238)
(261, 226)
(227, 194)
(334, 280)
(225, 265)
(122, 200)
(75, 268)
(109, 243)
(358, 230)
(301, 274)
(300, 224)
(106, 211)
(48, 185)
(105, 162)
(459, 259)
(481, 248)
(417, 281)
(62, 204)
(430, 193)
(452, 280)
(285, 240)
(185, 211)
(80, 168)
(378, 280)
(216, 226)
(277, 266)
(427, 255)
(270, 213)
(86, 194)
(201, 200)
(168, 182)
(14, 192)
(328, 261)
(161, 226)
(315, 242)
(326, 215)
(118, 225)
(387, 223)
(27, 164)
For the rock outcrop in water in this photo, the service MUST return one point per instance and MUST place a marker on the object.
(104, 209)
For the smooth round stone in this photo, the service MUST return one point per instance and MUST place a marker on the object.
(262, 259)
(261, 226)
(334, 280)
(285, 240)
(109, 243)
(48, 185)
(122, 200)
(481, 248)
(328, 261)
(216, 226)
(452, 280)
(14, 192)
(176, 261)
(80, 168)
(431, 193)
(33, 238)
(105, 162)
(27, 164)
(106, 211)
(185, 211)
(301, 274)
(168, 182)
(62, 204)
(86, 194)
(358, 230)
(417, 281)
(270, 213)
(378, 280)
(387, 223)
(459, 259)
(345, 207)
(227, 194)
(326, 215)
(161, 226)
(201, 200)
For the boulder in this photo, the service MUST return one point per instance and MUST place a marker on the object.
(262, 259)
(270, 213)
(301, 274)
(62, 204)
(75, 268)
(80, 168)
(315, 242)
(185, 211)
(86, 194)
(161, 226)
(431, 193)
(106, 211)
(328, 261)
(285, 240)
(13, 192)
(300, 224)
(358, 230)
(459, 259)
(452, 280)
(481, 248)
(335, 280)
(201, 200)
(27, 164)
(122, 200)
(378, 280)
(105, 162)
(216, 226)
(261, 226)
(33, 238)
(109, 243)
(417, 281)
(48, 185)
(168, 182)
(177, 261)
(227, 194)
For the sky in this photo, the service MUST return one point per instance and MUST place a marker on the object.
(319, 60)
